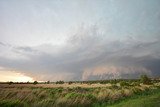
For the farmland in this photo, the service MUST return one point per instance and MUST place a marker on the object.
(113, 93)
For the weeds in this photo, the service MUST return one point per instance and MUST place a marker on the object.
(74, 96)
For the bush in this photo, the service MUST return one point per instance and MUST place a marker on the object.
(70, 82)
(48, 82)
(113, 81)
(60, 82)
(123, 83)
(35, 82)
(145, 80)
(10, 82)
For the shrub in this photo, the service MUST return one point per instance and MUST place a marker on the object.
(145, 80)
(70, 82)
(113, 81)
(123, 83)
(48, 82)
(60, 82)
(35, 82)
(10, 82)
(28, 82)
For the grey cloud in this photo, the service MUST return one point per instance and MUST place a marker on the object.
(112, 72)
(88, 50)
(26, 49)
(1, 43)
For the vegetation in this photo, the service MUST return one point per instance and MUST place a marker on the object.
(60, 82)
(10, 82)
(124, 83)
(70, 82)
(48, 82)
(145, 79)
(35, 82)
(110, 93)
(149, 100)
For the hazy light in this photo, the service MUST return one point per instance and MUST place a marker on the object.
(14, 76)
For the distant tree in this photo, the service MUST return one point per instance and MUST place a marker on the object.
(48, 82)
(10, 82)
(35, 82)
(145, 79)
(113, 81)
(70, 82)
(60, 82)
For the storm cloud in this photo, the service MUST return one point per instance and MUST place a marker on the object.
(119, 42)
(86, 55)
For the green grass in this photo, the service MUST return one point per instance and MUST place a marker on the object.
(113, 96)
(152, 100)
(12, 103)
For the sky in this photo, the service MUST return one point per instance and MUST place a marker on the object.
(79, 39)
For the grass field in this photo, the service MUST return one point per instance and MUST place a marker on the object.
(128, 94)
(151, 100)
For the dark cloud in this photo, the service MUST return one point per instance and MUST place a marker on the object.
(25, 49)
(87, 55)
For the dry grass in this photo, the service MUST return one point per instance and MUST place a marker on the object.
(65, 85)
(60, 95)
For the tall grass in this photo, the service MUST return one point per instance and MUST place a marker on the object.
(72, 96)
